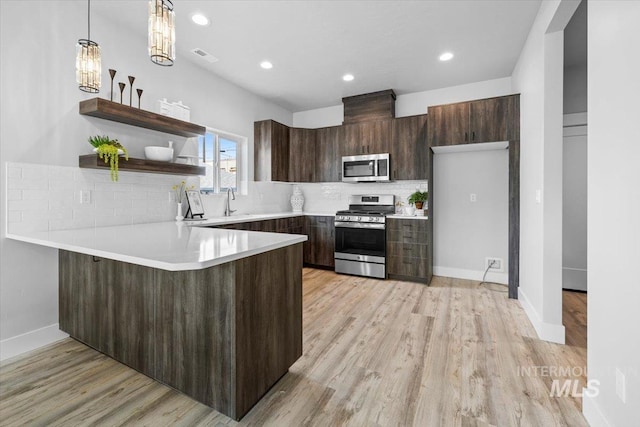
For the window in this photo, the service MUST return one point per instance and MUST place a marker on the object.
(218, 152)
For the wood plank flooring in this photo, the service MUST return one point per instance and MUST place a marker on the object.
(376, 353)
(574, 318)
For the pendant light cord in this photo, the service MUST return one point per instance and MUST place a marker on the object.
(89, 19)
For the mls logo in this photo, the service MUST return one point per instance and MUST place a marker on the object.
(572, 388)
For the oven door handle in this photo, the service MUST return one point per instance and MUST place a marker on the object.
(369, 225)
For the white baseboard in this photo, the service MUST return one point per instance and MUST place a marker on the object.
(32, 340)
(460, 273)
(592, 413)
(546, 331)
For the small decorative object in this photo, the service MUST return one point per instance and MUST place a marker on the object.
(297, 199)
(180, 190)
(162, 33)
(399, 207)
(418, 198)
(112, 73)
(179, 216)
(122, 85)
(131, 80)
(109, 150)
(164, 107)
(419, 212)
(139, 96)
(190, 151)
(195, 203)
(409, 210)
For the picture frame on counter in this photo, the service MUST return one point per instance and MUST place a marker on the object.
(195, 204)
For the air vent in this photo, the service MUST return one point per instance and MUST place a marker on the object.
(204, 55)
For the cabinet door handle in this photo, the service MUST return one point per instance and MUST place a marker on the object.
(96, 259)
(473, 135)
(466, 136)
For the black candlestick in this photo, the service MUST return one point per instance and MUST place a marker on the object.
(139, 96)
(122, 85)
(112, 73)
(131, 80)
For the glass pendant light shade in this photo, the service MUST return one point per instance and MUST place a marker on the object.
(88, 66)
(88, 62)
(162, 34)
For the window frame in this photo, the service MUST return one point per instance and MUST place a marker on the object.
(241, 172)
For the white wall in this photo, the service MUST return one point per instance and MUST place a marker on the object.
(411, 104)
(458, 221)
(613, 211)
(41, 125)
(538, 77)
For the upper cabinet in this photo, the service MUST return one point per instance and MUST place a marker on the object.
(271, 151)
(365, 138)
(328, 155)
(302, 155)
(409, 148)
(485, 120)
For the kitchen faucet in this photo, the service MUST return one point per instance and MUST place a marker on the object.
(227, 209)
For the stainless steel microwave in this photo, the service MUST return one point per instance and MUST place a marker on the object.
(365, 168)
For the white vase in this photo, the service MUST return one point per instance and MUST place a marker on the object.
(297, 199)
(179, 216)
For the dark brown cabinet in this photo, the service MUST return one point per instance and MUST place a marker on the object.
(365, 138)
(409, 249)
(328, 160)
(409, 148)
(320, 248)
(484, 120)
(302, 155)
(271, 151)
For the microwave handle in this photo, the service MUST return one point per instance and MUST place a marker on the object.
(375, 167)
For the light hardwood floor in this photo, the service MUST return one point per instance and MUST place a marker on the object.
(376, 353)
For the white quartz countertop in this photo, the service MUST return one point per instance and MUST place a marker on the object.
(169, 246)
(234, 219)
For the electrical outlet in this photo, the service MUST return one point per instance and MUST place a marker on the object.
(621, 386)
(85, 197)
(493, 264)
(473, 197)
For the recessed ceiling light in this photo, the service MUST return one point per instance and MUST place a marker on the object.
(266, 65)
(347, 77)
(200, 19)
(446, 56)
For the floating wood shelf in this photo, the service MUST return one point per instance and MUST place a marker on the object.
(92, 161)
(108, 110)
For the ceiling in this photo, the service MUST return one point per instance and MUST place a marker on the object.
(312, 44)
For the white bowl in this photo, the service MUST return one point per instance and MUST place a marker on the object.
(161, 154)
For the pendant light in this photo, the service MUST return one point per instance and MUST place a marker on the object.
(88, 62)
(162, 33)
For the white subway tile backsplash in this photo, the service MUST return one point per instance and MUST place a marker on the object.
(35, 194)
(14, 216)
(14, 195)
(14, 172)
(28, 205)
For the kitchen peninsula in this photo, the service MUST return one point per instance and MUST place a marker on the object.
(214, 313)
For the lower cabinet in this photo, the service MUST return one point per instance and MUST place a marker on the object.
(409, 249)
(318, 249)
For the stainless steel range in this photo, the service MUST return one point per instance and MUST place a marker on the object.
(360, 235)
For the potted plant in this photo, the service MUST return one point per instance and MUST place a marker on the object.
(418, 198)
(109, 150)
